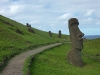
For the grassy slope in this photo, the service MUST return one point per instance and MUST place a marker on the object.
(12, 43)
(54, 62)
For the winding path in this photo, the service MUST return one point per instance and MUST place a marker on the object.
(15, 65)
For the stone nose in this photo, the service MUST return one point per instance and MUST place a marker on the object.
(80, 33)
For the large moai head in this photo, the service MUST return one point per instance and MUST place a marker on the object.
(50, 34)
(27, 24)
(75, 33)
(59, 35)
(59, 31)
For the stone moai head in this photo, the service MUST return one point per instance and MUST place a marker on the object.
(50, 34)
(75, 33)
(59, 35)
(59, 31)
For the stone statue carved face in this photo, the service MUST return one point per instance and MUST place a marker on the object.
(75, 33)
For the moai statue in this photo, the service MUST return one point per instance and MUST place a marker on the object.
(50, 34)
(59, 35)
(27, 24)
(74, 55)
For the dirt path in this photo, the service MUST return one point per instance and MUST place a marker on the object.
(15, 65)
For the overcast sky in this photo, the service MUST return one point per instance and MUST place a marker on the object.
(53, 15)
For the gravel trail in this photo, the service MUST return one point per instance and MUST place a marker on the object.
(15, 65)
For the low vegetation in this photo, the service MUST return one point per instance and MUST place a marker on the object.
(16, 38)
(54, 61)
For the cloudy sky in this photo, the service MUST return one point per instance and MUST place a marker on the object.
(53, 15)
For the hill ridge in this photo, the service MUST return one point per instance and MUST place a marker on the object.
(15, 38)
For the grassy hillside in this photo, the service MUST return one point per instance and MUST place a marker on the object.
(54, 61)
(15, 38)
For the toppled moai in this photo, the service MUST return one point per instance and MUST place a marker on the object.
(5, 22)
(59, 34)
(31, 30)
(74, 55)
(50, 34)
(19, 31)
(8, 23)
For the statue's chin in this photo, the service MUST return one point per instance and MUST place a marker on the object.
(78, 45)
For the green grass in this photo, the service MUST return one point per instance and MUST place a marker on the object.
(54, 62)
(27, 64)
(92, 47)
(12, 43)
